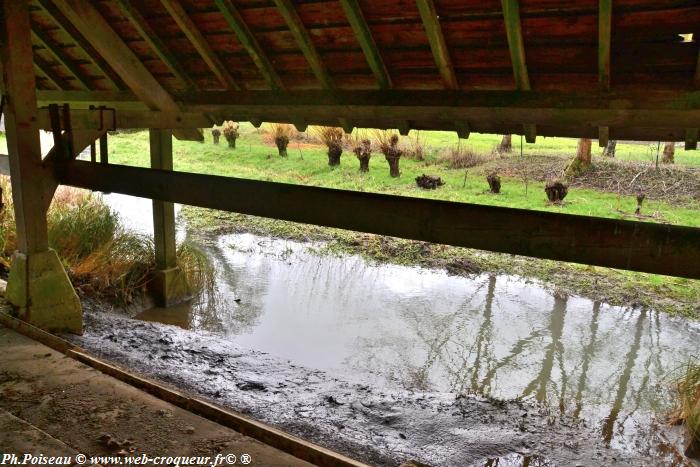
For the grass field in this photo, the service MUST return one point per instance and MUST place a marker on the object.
(256, 158)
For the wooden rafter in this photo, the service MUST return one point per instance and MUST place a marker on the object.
(89, 22)
(47, 71)
(359, 25)
(441, 54)
(604, 38)
(81, 43)
(43, 39)
(516, 45)
(298, 30)
(250, 43)
(149, 35)
(199, 42)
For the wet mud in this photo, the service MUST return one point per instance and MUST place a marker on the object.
(381, 427)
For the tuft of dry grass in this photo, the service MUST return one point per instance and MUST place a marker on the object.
(687, 411)
(102, 258)
(329, 136)
(416, 148)
(461, 158)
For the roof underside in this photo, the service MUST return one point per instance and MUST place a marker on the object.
(561, 42)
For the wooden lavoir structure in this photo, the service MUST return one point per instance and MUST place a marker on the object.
(605, 69)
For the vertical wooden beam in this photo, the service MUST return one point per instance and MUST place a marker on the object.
(691, 139)
(163, 212)
(431, 23)
(359, 25)
(298, 30)
(604, 39)
(90, 23)
(149, 35)
(200, 43)
(22, 128)
(516, 45)
(81, 43)
(603, 136)
(250, 43)
(62, 58)
(696, 39)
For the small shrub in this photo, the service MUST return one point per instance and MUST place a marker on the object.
(388, 143)
(461, 158)
(231, 132)
(215, 134)
(332, 138)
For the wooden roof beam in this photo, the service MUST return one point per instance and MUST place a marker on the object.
(45, 68)
(90, 23)
(431, 23)
(61, 57)
(516, 45)
(81, 43)
(250, 43)
(298, 30)
(149, 35)
(359, 25)
(604, 39)
(183, 20)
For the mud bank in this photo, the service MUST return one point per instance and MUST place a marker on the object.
(381, 427)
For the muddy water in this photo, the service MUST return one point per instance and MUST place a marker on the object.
(396, 327)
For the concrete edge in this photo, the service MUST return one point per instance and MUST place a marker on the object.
(259, 431)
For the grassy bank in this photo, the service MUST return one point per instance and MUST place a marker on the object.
(103, 259)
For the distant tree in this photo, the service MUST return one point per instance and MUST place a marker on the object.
(506, 144)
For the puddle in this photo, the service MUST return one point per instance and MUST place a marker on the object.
(396, 327)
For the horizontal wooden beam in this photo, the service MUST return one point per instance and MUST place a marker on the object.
(636, 246)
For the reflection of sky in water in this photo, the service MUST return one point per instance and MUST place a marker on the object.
(423, 329)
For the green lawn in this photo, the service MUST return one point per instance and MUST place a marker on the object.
(307, 164)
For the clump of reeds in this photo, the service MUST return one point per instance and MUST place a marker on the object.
(687, 411)
(215, 134)
(103, 259)
(281, 134)
(416, 149)
(231, 133)
(461, 158)
(332, 138)
(388, 142)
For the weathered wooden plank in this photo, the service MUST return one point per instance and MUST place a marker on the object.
(603, 136)
(24, 147)
(511, 16)
(248, 40)
(62, 58)
(90, 23)
(151, 37)
(697, 66)
(200, 43)
(301, 35)
(44, 68)
(353, 11)
(81, 43)
(441, 54)
(637, 246)
(604, 38)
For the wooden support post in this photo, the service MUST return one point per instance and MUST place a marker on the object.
(38, 285)
(603, 136)
(169, 286)
(691, 139)
(604, 35)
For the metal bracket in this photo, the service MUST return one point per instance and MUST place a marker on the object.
(102, 109)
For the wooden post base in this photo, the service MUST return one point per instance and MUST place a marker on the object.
(169, 287)
(42, 293)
